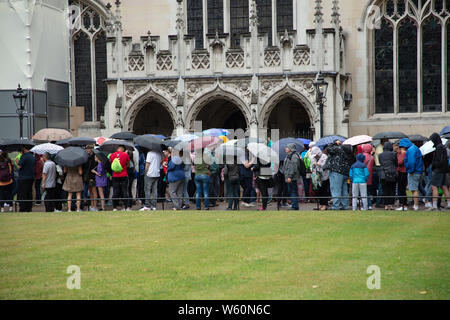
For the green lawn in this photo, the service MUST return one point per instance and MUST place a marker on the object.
(225, 255)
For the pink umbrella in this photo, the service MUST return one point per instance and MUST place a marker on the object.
(357, 140)
(203, 142)
(100, 140)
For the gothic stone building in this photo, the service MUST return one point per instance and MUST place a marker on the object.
(157, 66)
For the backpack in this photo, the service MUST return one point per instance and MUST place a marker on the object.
(116, 166)
(301, 165)
(5, 172)
(307, 162)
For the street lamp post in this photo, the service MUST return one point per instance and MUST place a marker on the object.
(20, 98)
(321, 87)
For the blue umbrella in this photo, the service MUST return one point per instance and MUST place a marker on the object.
(306, 142)
(280, 146)
(186, 137)
(159, 136)
(324, 141)
(216, 132)
(445, 130)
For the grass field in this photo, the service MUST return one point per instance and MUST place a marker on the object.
(225, 255)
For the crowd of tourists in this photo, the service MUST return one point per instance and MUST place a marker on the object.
(373, 177)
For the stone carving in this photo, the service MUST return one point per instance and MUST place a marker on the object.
(272, 58)
(301, 57)
(134, 90)
(136, 59)
(286, 40)
(254, 118)
(149, 44)
(164, 62)
(118, 123)
(305, 86)
(180, 120)
(235, 59)
(200, 61)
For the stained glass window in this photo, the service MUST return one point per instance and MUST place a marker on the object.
(195, 21)
(100, 74)
(238, 20)
(384, 97)
(407, 66)
(431, 65)
(285, 13)
(83, 79)
(264, 8)
(215, 16)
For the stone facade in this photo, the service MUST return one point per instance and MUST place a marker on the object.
(165, 68)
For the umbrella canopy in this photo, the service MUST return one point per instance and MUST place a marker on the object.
(445, 130)
(326, 140)
(79, 141)
(186, 137)
(103, 156)
(447, 135)
(100, 140)
(63, 142)
(428, 147)
(123, 136)
(280, 147)
(216, 132)
(51, 134)
(389, 135)
(263, 152)
(357, 140)
(203, 142)
(111, 146)
(72, 157)
(159, 136)
(46, 147)
(242, 143)
(150, 142)
(306, 142)
(225, 150)
(10, 145)
(417, 138)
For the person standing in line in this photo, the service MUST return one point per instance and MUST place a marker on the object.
(6, 181)
(246, 176)
(292, 173)
(439, 169)
(175, 177)
(232, 178)
(73, 184)
(414, 167)
(187, 178)
(101, 180)
(89, 177)
(402, 178)
(26, 178)
(320, 177)
(202, 180)
(264, 181)
(359, 175)
(120, 178)
(38, 166)
(152, 176)
(377, 173)
(388, 174)
(49, 176)
(367, 151)
(141, 178)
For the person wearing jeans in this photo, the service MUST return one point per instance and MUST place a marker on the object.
(292, 173)
(339, 190)
(175, 177)
(201, 179)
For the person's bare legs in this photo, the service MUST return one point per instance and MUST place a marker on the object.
(435, 196)
(93, 194)
(78, 201)
(102, 197)
(416, 198)
(69, 201)
(446, 190)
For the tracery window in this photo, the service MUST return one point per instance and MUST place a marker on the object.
(264, 8)
(239, 23)
(284, 15)
(89, 65)
(408, 56)
(215, 16)
(195, 21)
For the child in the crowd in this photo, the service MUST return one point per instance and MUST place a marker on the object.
(359, 175)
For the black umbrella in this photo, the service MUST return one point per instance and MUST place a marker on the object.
(281, 145)
(103, 156)
(80, 141)
(124, 136)
(10, 145)
(63, 141)
(72, 157)
(417, 138)
(112, 145)
(389, 135)
(150, 142)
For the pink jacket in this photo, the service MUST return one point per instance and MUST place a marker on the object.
(370, 160)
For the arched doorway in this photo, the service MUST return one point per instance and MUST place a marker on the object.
(291, 118)
(154, 118)
(221, 113)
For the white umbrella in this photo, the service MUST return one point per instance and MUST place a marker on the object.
(46, 147)
(263, 152)
(357, 140)
(428, 147)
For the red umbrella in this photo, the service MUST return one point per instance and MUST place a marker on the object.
(203, 142)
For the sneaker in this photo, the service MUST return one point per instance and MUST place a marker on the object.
(144, 209)
(399, 209)
(3, 210)
(416, 208)
(128, 209)
(93, 209)
(154, 208)
(245, 204)
(251, 204)
(78, 210)
(114, 209)
(370, 207)
(432, 209)
(428, 205)
(57, 210)
(185, 207)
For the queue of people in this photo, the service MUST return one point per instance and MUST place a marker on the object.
(378, 177)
